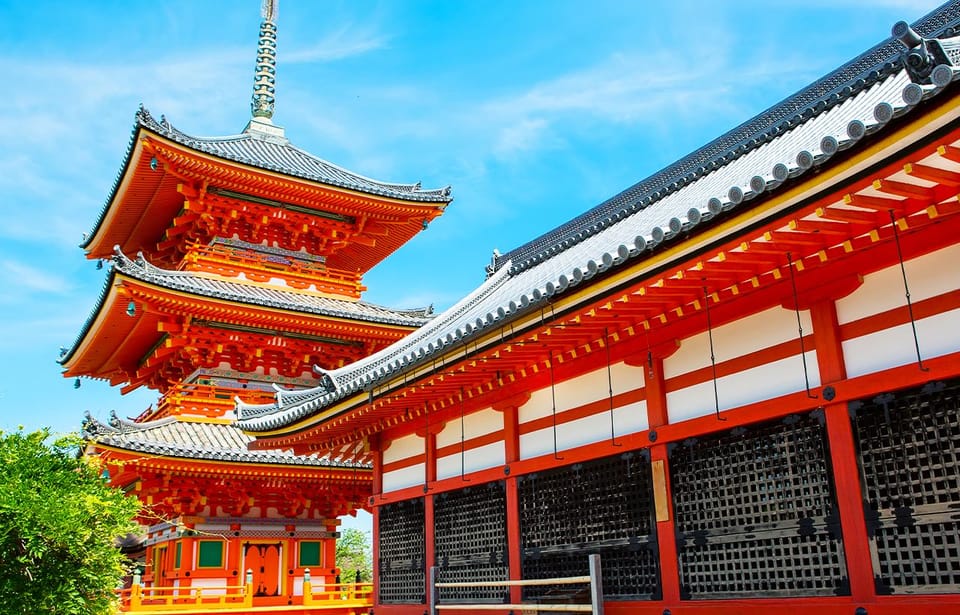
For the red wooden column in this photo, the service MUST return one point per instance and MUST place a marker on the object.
(430, 477)
(511, 453)
(376, 459)
(826, 335)
(666, 529)
(657, 415)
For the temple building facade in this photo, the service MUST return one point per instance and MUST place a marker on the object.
(737, 381)
(235, 270)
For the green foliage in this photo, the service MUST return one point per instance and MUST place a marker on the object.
(354, 553)
(58, 524)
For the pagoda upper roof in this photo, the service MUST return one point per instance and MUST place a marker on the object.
(199, 439)
(144, 198)
(807, 133)
(211, 287)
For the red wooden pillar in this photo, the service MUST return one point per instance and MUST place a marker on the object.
(376, 460)
(856, 544)
(657, 415)
(655, 392)
(511, 453)
(430, 477)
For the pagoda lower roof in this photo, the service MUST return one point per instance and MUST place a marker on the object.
(811, 132)
(244, 293)
(194, 439)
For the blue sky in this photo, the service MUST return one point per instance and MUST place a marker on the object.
(532, 110)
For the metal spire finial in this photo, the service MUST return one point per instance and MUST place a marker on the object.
(264, 83)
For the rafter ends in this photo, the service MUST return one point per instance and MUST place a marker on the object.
(904, 189)
(950, 152)
(932, 174)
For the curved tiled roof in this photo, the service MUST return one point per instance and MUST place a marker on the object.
(830, 119)
(268, 152)
(201, 440)
(250, 294)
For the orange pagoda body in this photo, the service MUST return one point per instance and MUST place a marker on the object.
(236, 270)
(737, 382)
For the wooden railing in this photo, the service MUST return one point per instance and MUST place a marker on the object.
(146, 599)
(351, 597)
(340, 595)
(593, 579)
(207, 400)
(259, 267)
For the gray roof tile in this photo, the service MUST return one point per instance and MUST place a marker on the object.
(191, 439)
(250, 294)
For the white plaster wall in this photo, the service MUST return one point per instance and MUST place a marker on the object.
(475, 425)
(583, 389)
(403, 478)
(736, 339)
(937, 335)
(297, 586)
(587, 430)
(403, 448)
(474, 459)
(752, 385)
(928, 276)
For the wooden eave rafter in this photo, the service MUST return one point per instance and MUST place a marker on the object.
(380, 224)
(171, 486)
(751, 257)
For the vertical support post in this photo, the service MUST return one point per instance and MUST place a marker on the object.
(856, 543)
(248, 589)
(432, 597)
(658, 415)
(596, 585)
(429, 539)
(136, 591)
(307, 588)
(511, 436)
(376, 454)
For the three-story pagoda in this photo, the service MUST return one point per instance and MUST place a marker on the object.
(236, 270)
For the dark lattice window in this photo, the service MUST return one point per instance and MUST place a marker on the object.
(471, 541)
(603, 506)
(909, 444)
(755, 512)
(401, 553)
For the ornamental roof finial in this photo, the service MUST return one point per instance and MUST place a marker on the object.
(264, 83)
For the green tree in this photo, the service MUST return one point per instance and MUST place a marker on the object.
(59, 521)
(354, 554)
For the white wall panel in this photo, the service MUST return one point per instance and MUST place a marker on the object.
(403, 448)
(752, 385)
(929, 275)
(736, 339)
(938, 335)
(587, 430)
(403, 478)
(474, 459)
(582, 390)
(475, 425)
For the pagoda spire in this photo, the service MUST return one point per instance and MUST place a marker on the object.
(265, 76)
(264, 84)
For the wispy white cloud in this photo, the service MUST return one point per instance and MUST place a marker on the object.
(345, 42)
(18, 276)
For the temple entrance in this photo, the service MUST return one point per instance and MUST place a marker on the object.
(264, 560)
